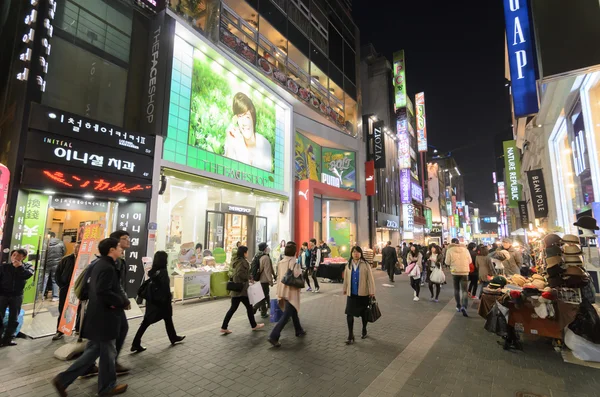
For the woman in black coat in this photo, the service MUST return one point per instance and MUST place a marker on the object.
(158, 307)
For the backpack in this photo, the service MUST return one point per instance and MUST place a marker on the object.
(81, 285)
(255, 266)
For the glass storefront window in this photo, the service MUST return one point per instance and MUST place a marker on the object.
(339, 226)
(195, 212)
(580, 158)
(350, 109)
(590, 97)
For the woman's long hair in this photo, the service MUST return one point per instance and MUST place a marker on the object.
(161, 258)
(242, 249)
(357, 249)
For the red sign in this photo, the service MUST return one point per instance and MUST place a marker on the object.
(370, 178)
(89, 246)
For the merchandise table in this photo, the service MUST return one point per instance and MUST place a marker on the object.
(332, 271)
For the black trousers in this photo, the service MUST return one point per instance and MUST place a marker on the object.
(390, 270)
(13, 303)
(473, 280)
(62, 298)
(313, 273)
(235, 303)
(137, 341)
(350, 320)
(415, 283)
(437, 289)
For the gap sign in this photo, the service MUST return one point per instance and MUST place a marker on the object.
(521, 57)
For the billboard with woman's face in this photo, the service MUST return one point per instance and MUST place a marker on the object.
(230, 118)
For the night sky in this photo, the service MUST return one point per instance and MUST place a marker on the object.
(454, 53)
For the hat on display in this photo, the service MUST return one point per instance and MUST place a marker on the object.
(555, 281)
(587, 222)
(553, 251)
(538, 277)
(539, 284)
(575, 271)
(554, 271)
(515, 294)
(548, 295)
(262, 247)
(553, 261)
(551, 239)
(570, 239)
(572, 250)
(498, 282)
(573, 259)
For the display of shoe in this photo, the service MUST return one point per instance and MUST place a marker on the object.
(120, 369)
(118, 389)
(177, 340)
(60, 389)
(59, 335)
(258, 326)
(137, 349)
(92, 372)
(416, 299)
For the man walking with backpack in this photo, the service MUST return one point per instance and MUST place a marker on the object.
(262, 271)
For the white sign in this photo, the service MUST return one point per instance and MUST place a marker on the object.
(408, 213)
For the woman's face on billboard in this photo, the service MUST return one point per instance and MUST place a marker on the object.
(246, 124)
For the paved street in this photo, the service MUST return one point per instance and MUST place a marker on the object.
(415, 349)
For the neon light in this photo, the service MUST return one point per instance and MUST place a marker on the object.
(98, 184)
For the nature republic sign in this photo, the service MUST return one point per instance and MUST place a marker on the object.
(512, 162)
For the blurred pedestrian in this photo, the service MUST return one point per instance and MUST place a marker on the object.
(315, 261)
(288, 296)
(473, 272)
(55, 252)
(158, 307)
(266, 279)
(389, 259)
(241, 275)
(64, 273)
(359, 287)
(434, 261)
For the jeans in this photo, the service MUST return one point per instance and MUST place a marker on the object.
(13, 303)
(264, 304)
(415, 283)
(137, 341)
(107, 376)
(460, 287)
(122, 334)
(51, 273)
(235, 303)
(289, 311)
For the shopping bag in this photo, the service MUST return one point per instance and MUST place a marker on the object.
(437, 276)
(373, 312)
(19, 319)
(255, 293)
(276, 312)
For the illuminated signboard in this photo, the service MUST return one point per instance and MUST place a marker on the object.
(339, 168)
(416, 192)
(399, 69)
(421, 122)
(403, 140)
(62, 123)
(66, 151)
(408, 217)
(405, 195)
(521, 57)
(226, 124)
(60, 178)
(512, 163)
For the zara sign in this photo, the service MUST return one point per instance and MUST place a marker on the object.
(521, 57)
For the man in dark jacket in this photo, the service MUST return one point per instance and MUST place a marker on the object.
(389, 258)
(13, 276)
(64, 272)
(405, 250)
(315, 261)
(101, 325)
(54, 253)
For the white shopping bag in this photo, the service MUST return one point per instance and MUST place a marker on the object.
(255, 293)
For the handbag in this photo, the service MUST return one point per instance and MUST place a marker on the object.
(373, 312)
(292, 281)
(234, 287)
(437, 276)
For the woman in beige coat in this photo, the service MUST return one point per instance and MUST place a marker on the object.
(359, 287)
(288, 297)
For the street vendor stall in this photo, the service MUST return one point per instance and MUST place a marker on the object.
(332, 268)
(557, 298)
(207, 279)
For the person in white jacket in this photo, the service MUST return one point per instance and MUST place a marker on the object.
(459, 258)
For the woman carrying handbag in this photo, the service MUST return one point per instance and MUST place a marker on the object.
(359, 287)
(158, 302)
(289, 285)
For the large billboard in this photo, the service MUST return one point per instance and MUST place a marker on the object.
(421, 122)
(339, 168)
(399, 70)
(221, 121)
(307, 159)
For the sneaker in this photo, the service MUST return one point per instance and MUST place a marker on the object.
(414, 294)
(316, 290)
(92, 372)
(416, 299)
(464, 312)
(118, 389)
(436, 300)
(458, 309)
(121, 370)
(432, 299)
(309, 289)
(59, 335)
